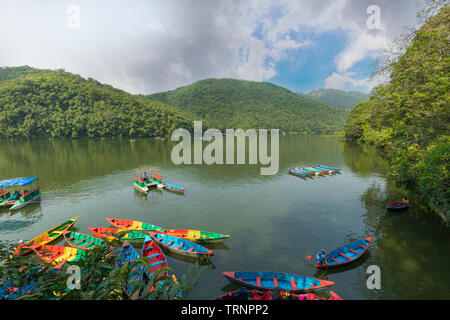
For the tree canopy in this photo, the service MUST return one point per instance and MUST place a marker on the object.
(231, 103)
(409, 117)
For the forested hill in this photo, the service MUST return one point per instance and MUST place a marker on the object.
(230, 103)
(35, 103)
(410, 116)
(338, 98)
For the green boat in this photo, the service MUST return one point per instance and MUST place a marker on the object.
(110, 234)
(17, 200)
(140, 185)
(83, 241)
(156, 178)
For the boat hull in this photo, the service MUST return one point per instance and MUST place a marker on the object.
(267, 281)
(45, 238)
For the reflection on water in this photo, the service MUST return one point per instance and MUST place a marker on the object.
(274, 221)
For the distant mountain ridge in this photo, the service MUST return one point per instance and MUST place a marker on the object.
(339, 98)
(231, 103)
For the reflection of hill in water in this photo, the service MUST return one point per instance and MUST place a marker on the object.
(365, 160)
(404, 248)
(61, 163)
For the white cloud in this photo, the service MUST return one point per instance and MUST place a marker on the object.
(150, 46)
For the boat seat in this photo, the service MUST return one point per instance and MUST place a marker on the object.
(169, 243)
(153, 255)
(362, 246)
(78, 241)
(156, 263)
(293, 284)
(275, 282)
(354, 251)
(179, 246)
(258, 281)
(85, 245)
(345, 256)
(334, 260)
(148, 248)
(191, 249)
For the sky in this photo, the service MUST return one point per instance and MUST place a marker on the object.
(148, 46)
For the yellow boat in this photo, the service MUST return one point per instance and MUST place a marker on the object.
(44, 238)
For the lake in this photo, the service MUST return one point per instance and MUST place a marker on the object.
(274, 221)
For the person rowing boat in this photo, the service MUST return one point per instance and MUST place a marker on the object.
(321, 257)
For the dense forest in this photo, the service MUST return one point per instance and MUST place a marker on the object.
(230, 103)
(409, 117)
(35, 103)
(338, 98)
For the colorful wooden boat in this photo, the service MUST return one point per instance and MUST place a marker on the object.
(297, 172)
(345, 254)
(266, 281)
(156, 257)
(131, 224)
(58, 254)
(316, 172)
(44, 238)
(397, 206)
(173, 188)
(110, 234)
(181, 246)
(128, 255)
(82, 241)
(327, 168)
(140, 185)
(192, 235)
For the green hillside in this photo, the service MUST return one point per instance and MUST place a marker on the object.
(35, 103)
(10, 73)
(410, 116)
(338, 98)
(230, 103)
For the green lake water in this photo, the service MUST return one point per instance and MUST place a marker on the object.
(275, 221)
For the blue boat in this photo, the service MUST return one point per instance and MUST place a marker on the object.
(326, 168)
(127, 256)
(345, 254)
(266, 281)
(397, 206)
(181, 246)
(298, 172)
(174, 188)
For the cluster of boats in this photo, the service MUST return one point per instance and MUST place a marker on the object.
(154, 238)
(17, 199)
(186, 242)
(316, 170)
(145, 183)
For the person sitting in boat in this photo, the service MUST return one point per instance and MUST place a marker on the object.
(321, 258)
(405, 200)
(144, 177)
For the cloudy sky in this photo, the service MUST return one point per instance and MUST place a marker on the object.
(147, 46)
